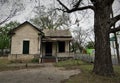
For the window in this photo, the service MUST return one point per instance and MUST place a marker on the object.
(61, 46)
(25, 47)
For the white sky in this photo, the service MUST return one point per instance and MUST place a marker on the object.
(28, 13)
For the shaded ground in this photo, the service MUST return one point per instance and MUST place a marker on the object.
(46, 74)
(86, 75)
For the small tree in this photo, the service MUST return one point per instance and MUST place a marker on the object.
(90, 45)
(80, 37)
(4, 37)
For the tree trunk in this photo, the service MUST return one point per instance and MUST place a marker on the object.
(103, 62)
(2, 52)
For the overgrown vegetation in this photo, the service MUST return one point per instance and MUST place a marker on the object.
(35, 60)
(6, 64)
(86, 75)
(70, 64)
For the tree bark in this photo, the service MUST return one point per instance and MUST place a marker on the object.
(103, 62)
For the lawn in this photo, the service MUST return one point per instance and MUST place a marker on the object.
(86, 76)
(5, 64)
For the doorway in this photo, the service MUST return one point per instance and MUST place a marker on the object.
(26, 47)
(61, 47)
(48, 49)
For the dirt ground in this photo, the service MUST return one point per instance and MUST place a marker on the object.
(46, 74)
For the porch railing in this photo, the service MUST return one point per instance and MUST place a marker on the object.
(65, 54)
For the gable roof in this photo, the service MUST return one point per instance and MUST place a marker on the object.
(51, 33)
(57, 33)
(26, 22)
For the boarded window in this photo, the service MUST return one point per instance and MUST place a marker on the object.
(61, 46)
(25, 47)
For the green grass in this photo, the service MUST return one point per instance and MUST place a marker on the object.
(86, 75)
(70, 63)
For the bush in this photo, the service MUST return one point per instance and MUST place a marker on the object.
(17, 61)
(35, 60)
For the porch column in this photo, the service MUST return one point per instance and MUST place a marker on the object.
(56, 51)
(40, 49)
(69, 48)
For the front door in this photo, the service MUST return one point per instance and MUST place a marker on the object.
(25, 47)
(48, 49)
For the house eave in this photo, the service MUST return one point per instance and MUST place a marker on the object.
(56, 39)
(59, 36)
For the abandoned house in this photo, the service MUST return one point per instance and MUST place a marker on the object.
(28, 42)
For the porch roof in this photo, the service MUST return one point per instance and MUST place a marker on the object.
(56, 39)
(54, 33)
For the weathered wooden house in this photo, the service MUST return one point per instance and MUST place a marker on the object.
(28, 42)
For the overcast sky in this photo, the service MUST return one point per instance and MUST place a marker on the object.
(86, 23)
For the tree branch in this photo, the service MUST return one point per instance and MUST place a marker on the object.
(115, 29)
(63, 5)
(60, 9)
(81, 8)
(77, 4)
(114, 20)
(76, 7)
(5, 20)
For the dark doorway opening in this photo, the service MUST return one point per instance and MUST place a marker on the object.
(26, 47)
(48, 49)
(61, 45)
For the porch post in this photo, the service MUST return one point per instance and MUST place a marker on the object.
(69, 48)
(40, 59)
(56, 51)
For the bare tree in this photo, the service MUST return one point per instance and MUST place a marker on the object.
(9, 9)
(80, 37)
(102, 28)
(49, 18)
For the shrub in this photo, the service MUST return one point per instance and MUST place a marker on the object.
(35, 60)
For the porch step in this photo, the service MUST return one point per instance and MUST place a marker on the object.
(47, 59)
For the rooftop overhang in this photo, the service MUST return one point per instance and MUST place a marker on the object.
(56, 39)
